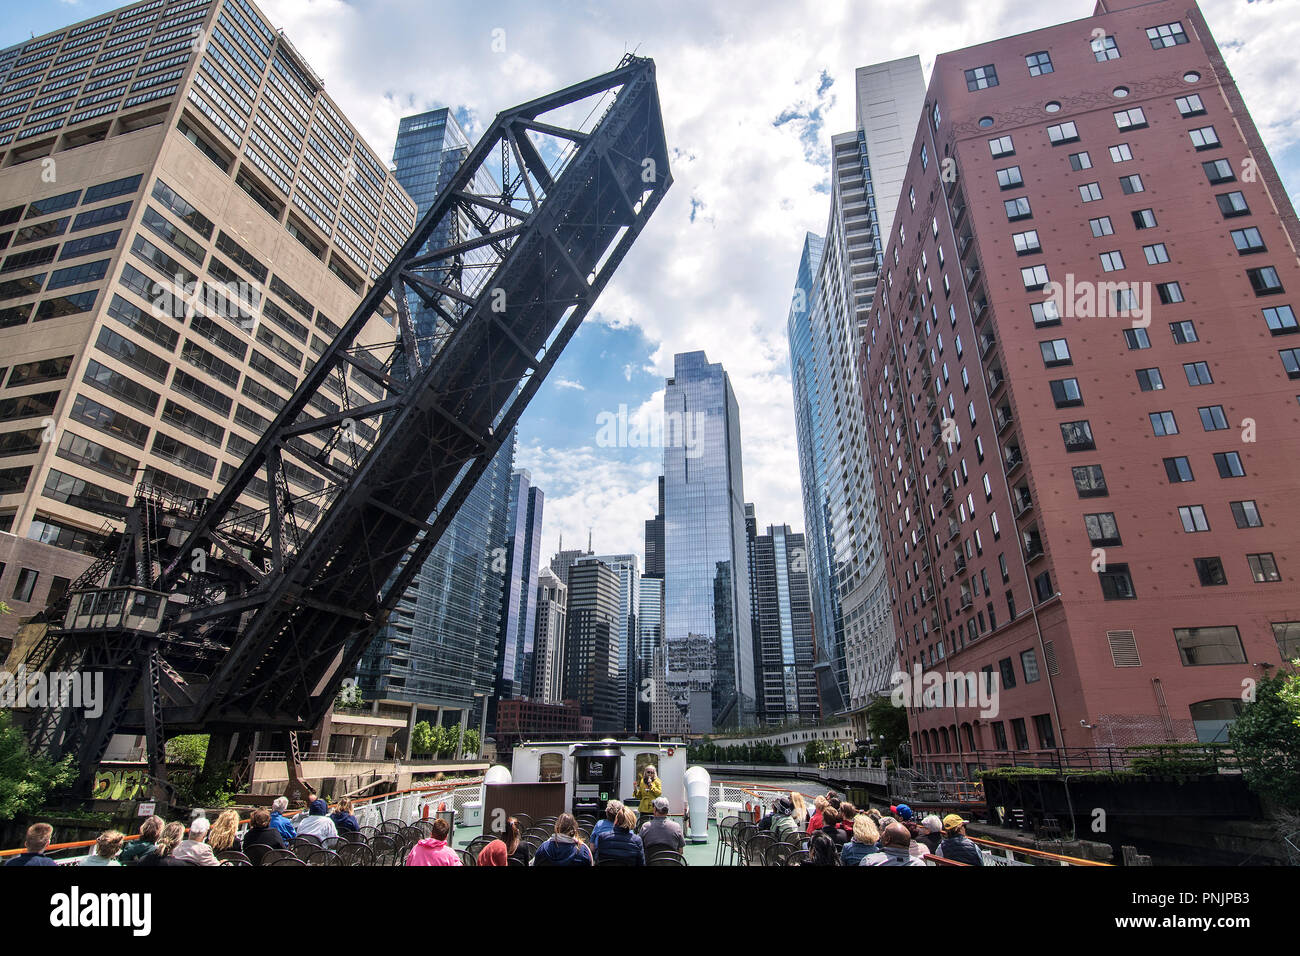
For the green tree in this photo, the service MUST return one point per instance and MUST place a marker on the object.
(26, 779)
(450, 738)
(422, 739)
(1290, 692)
(349, 698)
(1266, 738)
(889, 724)
(188, 749)
(473, 745)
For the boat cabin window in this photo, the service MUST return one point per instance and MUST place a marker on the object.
(551, 768)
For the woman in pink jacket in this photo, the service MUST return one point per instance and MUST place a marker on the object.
(434, 851)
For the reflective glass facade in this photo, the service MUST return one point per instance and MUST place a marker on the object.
(440, 646)
(629, 579)
(783, 634)
(444, 644)
(707, 632)
(650, 632)
(834, 289)
(519, 596)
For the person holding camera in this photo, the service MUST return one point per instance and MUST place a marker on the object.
(648, 787)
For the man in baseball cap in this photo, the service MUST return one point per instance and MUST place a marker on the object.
(660, 832)
(956, 845)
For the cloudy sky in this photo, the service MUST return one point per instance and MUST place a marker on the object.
(751, 95)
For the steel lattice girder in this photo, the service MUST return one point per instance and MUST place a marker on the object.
(545, 248)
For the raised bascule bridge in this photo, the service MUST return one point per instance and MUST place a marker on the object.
(210, 617)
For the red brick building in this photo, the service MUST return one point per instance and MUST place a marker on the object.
(520, 719)
(1112, 527)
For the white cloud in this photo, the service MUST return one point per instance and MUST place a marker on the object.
(569, 383)
(726, 73)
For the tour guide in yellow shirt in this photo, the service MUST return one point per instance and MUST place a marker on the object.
(648, 786)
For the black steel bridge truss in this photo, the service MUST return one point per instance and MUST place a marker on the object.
(213, 617)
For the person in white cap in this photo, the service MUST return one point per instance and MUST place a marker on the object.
(660, 832)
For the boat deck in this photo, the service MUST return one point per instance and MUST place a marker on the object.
(697, 854)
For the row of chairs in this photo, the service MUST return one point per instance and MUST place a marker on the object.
(741, 842)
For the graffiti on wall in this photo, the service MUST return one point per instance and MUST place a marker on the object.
(120, 784)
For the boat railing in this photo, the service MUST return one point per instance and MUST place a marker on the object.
(1006, 854)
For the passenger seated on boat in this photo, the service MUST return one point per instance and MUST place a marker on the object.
(565, 848)
(815, 821)
(434, 850)
(847, 812)
(956, 845)
(316, 821)
(781, 820)
(864, 842)
(831, 826)
(800, 809)
(499, 851)
(660, 832)
(613, 811)
(621, 844)
(933, 834)
(895, 849)
(822, 850)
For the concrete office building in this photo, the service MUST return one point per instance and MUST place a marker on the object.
(1084, 320)
(548, 645)
(184, 226)
(593, 633)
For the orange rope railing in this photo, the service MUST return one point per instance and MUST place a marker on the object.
(1038, 854)
(86, 844)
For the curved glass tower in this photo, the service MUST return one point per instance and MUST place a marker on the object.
(707, 632)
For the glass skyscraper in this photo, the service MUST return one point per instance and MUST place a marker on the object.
(834, 289)
(707, 632)
(440, 649)
(807, 357)
(629, 577)
(783, 626)
(523, 550)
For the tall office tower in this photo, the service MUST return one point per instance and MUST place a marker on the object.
(187, 219)
(626, 566)
(429, 150)
(707, 631)
(548, 647)
(563, 560)
(519, 596)
(591, 644)
(438, 654)
(650, 633)
(783, 632)
(650, 621)
(654, 539)
(431, 657)
(833, 294)
(1073, 498)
